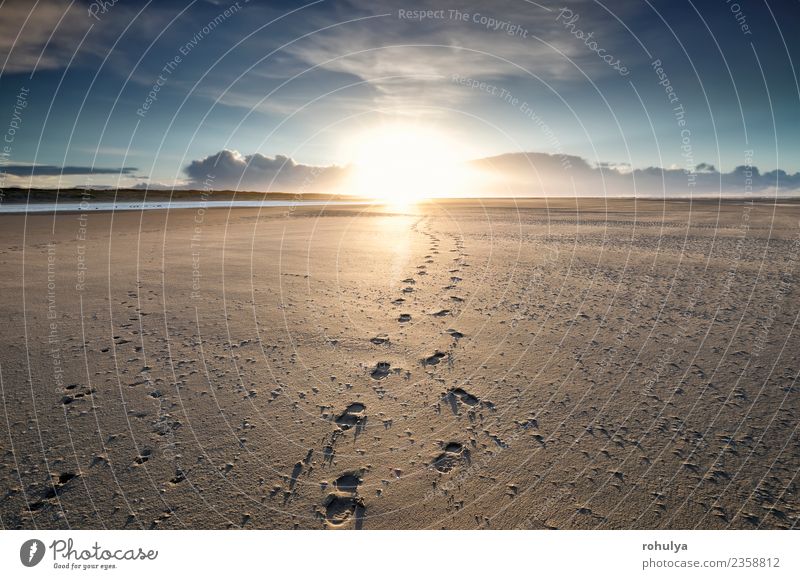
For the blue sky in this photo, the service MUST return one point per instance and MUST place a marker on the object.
(297, 80)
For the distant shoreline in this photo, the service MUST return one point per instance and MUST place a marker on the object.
(17, 195)
(72, 206)
(95, 196)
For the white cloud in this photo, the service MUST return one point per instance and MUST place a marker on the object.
(22, 48)
(540, 174)
(230, 170)
(513, 174)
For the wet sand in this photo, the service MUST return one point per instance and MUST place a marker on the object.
(540, 364)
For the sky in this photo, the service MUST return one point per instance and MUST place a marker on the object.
(453, 98)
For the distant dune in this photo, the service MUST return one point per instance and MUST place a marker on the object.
(17, 195)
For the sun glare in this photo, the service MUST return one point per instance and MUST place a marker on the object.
(402, 164)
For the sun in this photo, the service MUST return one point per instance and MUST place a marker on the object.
(404, 163)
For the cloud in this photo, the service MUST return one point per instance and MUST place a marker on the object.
(25, 30)
(512, 174)
(55, 170)
(158, 185)
(432, 45)
(230, 170)
(40, 36)
(541, 174)
(404, 59)
(50, 34)
(406, 64)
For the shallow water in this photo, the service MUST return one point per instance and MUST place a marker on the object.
(83, 207)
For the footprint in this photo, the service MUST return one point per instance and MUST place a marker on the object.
(344, 504)
(143, 457)
(57, 483)
(465, 397)
(340, 509)
(296, 470)
(452, 397)
(454, 453)
(433, 359)
(53, 489)
(354, 415)
(328, 454)
(347, 483)
(76, 392)
(497, 440)
(381, 370)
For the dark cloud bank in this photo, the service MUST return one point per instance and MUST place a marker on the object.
(537, 174)
(57, 171)
(544, 174)
(512, 174)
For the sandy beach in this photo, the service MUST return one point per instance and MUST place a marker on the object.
(540, 364)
